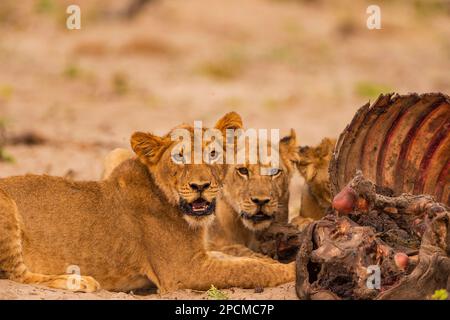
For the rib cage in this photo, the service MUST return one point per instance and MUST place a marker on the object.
(401, 142)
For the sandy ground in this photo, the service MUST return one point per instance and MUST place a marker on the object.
(11, 290)
(306, 65)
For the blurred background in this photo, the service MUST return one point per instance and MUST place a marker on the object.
(67, 97)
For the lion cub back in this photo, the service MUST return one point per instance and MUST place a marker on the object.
(113, 160)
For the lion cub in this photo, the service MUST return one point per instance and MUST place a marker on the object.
(251, 200)
(313, 166)
(143, 226)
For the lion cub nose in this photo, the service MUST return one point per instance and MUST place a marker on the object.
(260, 201)
(199, 186)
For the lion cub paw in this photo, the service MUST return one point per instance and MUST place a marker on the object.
(74, 283)
(301, 222)
(88, 284)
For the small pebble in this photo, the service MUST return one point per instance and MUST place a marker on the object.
(259, 290)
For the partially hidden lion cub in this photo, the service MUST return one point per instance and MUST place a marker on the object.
(313, 166)
(143, 226)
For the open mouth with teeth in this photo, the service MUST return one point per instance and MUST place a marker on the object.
(256, 218)
(199, 207)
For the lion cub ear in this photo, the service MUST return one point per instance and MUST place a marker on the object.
(312, 159)
(231, 120)
(289, 149)
(316, 154)
(147, 147)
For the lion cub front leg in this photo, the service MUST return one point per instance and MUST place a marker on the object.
(238, 250)
(11, 258)
(65, 282)
(244, 272)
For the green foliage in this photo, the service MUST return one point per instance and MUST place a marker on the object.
(233, 102)
(45, 6)
(4, 156)
(72, 71)
(298, 1)
(430, 8)
(153, 101)
(440, 295)
(3, 123)
(227, 67)
(120, 83)
(6, 92)
(368, 89)
(272, 104)
(275, 103)
(284, 53)
(215, 294)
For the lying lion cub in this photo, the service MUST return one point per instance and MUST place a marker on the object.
(251, 200)
(144, 225)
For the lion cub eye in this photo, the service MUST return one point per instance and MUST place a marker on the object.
(179, 157)
(213, 155)
(243, 171)
(274, 172)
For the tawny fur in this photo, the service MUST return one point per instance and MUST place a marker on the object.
(313, 166)
(126, 232)
(230, 233)
(231, 228)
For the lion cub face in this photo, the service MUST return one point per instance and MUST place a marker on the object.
(259, 193)
(313, 166)
(193, 187)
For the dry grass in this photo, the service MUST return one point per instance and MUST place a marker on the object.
(228, 66)
(147, 46)
(120, 83)
(91, 48)
(4, 156)
(6, 92)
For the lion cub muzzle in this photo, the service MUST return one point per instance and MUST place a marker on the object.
(198, 204)
(258, 213)
(198, 208)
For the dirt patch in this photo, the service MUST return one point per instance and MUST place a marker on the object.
(13, 290)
